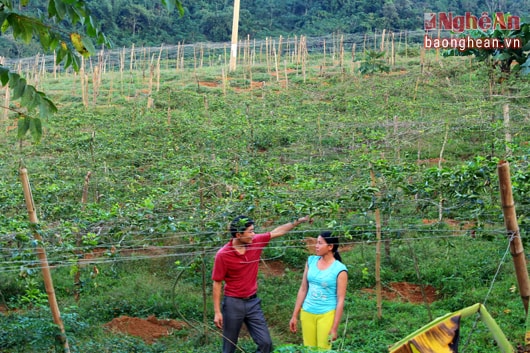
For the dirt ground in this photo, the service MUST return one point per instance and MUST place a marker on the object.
(148, 329)
(152, 328)
(407, 292)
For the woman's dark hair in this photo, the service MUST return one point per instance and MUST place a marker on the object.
(332, 241)
(239, 224)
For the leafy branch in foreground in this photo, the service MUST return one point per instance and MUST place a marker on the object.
(31, 99)
(52, 39)
(69, 48)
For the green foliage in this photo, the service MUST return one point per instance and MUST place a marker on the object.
(373, 62)
(166, 180)
(31, 99)
(21, 332)
(50, 37)
(501, 57)
(34, 331)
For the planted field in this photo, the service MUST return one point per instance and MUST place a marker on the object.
(147, 161)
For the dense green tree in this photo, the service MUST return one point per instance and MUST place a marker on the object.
(217, 26)
(390, 13)
(131, 21)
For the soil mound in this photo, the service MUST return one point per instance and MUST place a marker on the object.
(148, 329)
(407, 292)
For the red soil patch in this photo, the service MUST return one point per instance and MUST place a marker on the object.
(272, 268)
(253, 85)
(282, 72)
(429, 161)
(148, 329)
(208, 84)
(458, 227)
(406, 292)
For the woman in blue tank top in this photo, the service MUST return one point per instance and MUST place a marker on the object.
(320, 299)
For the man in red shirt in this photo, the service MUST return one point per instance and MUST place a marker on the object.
(236, 264)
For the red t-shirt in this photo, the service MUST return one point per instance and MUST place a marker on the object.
(240, 272)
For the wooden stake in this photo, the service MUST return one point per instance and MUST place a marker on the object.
(377, 251)
(303, 50)
(54, 64)
(158, 69)
(512, 229)
(276, 65)
(84, 83)
(79, 241)
(393, 51)
(131, 62)
(84, 195)
(223, 75)
(41, 254)
(396, 125)
(341, 51)
(279, 53)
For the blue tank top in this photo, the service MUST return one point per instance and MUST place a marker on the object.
(322, 286)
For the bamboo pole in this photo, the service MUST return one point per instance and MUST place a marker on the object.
(323, 57)
(303, 49)
(177, 66)
(131, 61)
(54, 65)
(341, 51)
(393, 50)
(377, 251)
(84, 83)
(267, 56)
(158, 69)
(279, 53)
(79, 240)
(276, 65)
(512, 229)
(41, 254)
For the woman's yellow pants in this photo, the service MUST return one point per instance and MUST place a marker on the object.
(315, 329)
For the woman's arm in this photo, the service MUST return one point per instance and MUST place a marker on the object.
(302, 292)
(342, 283)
